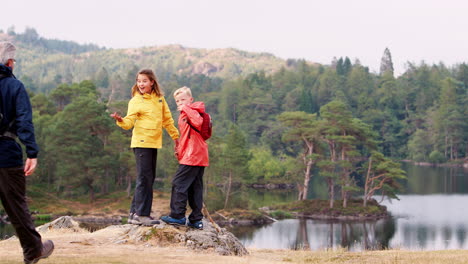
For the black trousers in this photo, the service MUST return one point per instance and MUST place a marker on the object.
(146, 174)
(187, 185)
(13, 196)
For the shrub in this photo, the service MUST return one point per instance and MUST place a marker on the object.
(436, 157)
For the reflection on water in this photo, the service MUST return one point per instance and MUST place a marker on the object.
(420, 222)
(318, 234)
(435, 180)
(430, 222)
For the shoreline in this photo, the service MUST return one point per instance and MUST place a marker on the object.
(446, 165)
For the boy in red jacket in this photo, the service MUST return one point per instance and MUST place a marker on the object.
(192, 154)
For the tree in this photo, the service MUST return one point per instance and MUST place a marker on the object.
(347, 66)
(236, 155)
(302, 127)
(450, 123)
(80, 132)
(386, 64)
(264, 166)
(382, 175)
(419, 146)
(344, 135)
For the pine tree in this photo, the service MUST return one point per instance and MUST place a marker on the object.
(302, 127)
(386, 64)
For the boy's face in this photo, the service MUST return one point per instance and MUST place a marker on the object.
(144, 84)
(182, 99)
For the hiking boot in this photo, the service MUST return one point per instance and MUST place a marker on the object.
(143, 220)
(196, 225)
(130, 218)
(173, 221)
(47, 249)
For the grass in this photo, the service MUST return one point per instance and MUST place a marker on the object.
(279, 214)
(241, 214)
(79, 253)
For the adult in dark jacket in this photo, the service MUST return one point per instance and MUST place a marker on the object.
(17, 118)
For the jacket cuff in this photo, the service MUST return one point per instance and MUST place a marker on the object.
(32, 155)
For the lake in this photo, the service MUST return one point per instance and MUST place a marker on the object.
(430, 215)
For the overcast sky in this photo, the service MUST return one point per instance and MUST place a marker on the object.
(315, 30)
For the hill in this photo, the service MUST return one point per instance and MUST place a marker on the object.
(52, 62)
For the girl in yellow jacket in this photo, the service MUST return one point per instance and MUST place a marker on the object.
(147, 113)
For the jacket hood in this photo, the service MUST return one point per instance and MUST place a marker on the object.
(198, 106)
(5, 70)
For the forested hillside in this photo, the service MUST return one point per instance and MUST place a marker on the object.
(52, 62)
(339, 125)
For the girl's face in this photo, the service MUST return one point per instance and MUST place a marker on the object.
(144, 84)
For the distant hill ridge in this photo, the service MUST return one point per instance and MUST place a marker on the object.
(51, 62)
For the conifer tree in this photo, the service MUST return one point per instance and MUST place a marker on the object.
(302, 127)
(386, 64)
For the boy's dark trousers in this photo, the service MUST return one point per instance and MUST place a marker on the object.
(13, 196)
(146, 174)
(187, 185)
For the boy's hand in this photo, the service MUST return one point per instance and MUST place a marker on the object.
(116, 117)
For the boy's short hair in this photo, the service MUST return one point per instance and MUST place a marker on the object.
(184, 89)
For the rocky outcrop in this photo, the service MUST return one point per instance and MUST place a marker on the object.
(64, 222)
(205, 68)
(223, 242)
(208, 239)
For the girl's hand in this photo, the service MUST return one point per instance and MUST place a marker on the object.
(116, 117)
(176, 146)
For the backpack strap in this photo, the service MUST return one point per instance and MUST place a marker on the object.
(188, 122)
(191, 126)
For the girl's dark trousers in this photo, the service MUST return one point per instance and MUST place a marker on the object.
(187, 185)
(13, 196)
(146, 173)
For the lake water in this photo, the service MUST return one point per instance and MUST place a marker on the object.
(430, 215)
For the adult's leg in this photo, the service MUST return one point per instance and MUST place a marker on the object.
(179, 195)
(13, 196)
(146, 173)
(195, 195)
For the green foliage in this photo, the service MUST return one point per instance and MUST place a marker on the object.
(279, 214)
(436, 157)
(31, 38)
(264, 167)
(383, 175)
(236, 154)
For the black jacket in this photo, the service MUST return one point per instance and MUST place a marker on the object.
(16, 106)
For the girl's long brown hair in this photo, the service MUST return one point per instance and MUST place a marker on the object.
(150, 74)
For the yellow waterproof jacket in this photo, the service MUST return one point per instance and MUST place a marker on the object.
(148, 114)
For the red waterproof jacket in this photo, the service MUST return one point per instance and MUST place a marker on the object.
(193, 149)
